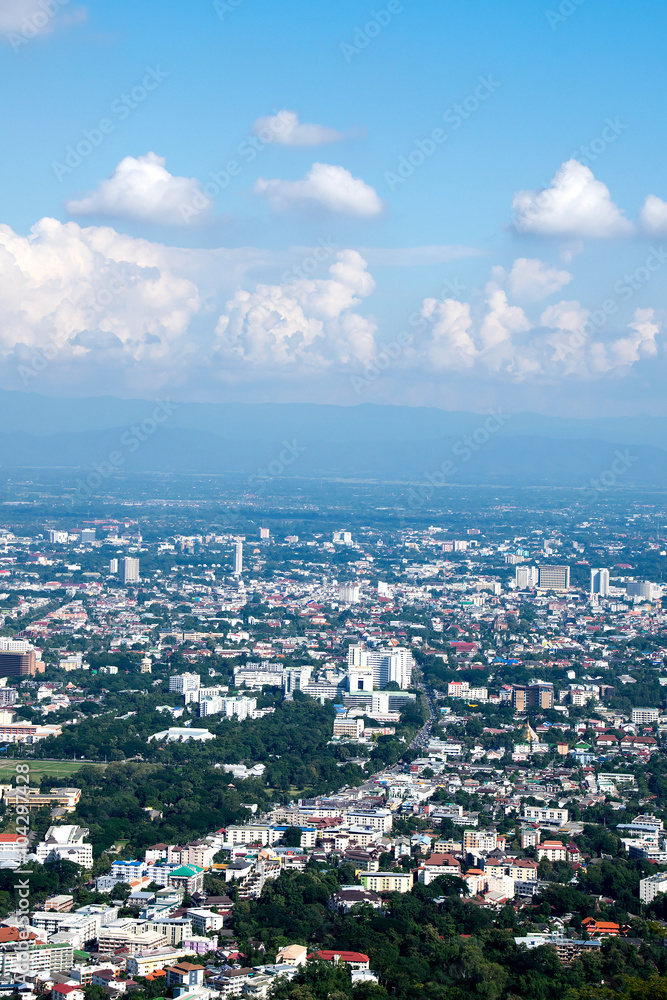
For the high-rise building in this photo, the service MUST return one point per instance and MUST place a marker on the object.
(643, 589)
(387, 665)
(554, 578)
(539, 694)
(342, 538)
(87, 534)
(18, 664)
(526, 577)
(264, 533)
(113, 565)
(238, 557)
(600, 582)
(348, 593)
(182, 683)
(130, 570)
(58, 537)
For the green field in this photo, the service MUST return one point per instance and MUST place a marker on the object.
(39, 768)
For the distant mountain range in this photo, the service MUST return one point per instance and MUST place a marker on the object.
(366, 441)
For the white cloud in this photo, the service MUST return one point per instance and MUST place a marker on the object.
(143, 190)
(306, 324)
(285, 130)
(21, 20)
(532, 279)
(639, 343)
(653, 216)
(575, 205)
(494, 339)
(74, 290)
(326, 186)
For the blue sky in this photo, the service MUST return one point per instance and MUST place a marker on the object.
(311, 269)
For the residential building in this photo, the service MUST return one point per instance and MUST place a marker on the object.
(65, 843)
(391, 881)
(652, 886)
(130, 570)
(387, 665)
(600, 582)
(645, 716)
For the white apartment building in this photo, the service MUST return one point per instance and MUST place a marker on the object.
(545, 815)
(372, 819)
(349, 593)
(600, 582)
(65, 843)
(387, 665)
(184, 682)
(645, 716)
(650, 887)
(130, 570)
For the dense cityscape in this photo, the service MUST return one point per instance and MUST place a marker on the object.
(236, 762)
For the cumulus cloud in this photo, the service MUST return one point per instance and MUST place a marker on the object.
(653, 216)
(638, 343)
(74, 291)
(285, 129)
(325, 186)
(494, 339)
(532, 279)
(576, 204)
(141, 189)
(305, 324)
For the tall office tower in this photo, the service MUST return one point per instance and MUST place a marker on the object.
(58, 537)
(264, 533)
(387, 665)
(600, 582)
(342, 538)
(113, 565)
(22, 664)
(541, 694)
(88, 534)
(238, 557)
(130, 570)
(519, 697)
(554, 578)
(526, 577)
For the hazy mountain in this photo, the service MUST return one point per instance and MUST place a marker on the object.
(393, 442)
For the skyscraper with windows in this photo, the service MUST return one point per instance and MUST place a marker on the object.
(600, 582)
(238, 557)
(130, 570)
